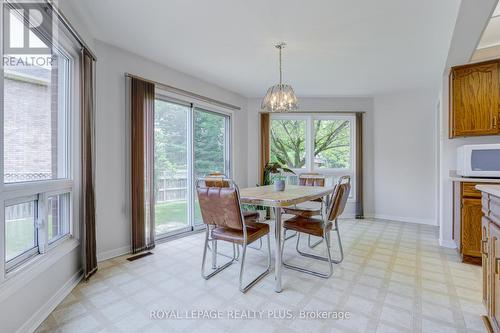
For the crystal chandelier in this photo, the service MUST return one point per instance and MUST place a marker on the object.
(280, 97)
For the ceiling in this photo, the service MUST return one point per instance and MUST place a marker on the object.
(335, 47)
(491, 35)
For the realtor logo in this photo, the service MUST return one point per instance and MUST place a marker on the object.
(27, 28)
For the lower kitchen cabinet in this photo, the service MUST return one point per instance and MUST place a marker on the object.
(490, 254)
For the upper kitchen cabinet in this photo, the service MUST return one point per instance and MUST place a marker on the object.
(474, 99)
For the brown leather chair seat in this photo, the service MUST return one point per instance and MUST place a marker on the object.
(307, 225)
(255, 231)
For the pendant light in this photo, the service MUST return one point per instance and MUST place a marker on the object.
(280, 97)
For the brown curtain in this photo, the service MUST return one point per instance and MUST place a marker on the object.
(359, 165)
(88, 163)
(264, 143)
(142, 109)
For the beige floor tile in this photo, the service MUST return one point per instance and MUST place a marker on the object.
(394, 278)
(429, 326)
(397, 316)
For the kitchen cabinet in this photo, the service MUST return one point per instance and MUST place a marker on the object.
(490, 249)
(471, 227)
(467, 222)
(474, 99)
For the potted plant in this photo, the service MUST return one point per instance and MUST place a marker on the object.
(272, 169)
(279, 182)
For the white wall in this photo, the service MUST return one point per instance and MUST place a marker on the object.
(34, 298)
(405, 157)
(334, 104)
(113, 136)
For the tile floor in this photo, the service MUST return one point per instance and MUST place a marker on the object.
(395, 278)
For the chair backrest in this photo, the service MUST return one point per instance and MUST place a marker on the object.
(220, 206)
(216, 180)
(311, 179)
(339, 198)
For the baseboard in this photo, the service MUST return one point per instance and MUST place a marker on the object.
(402, 219)
(38, 317)
(447, 243)
(113, 253)
(348, 215)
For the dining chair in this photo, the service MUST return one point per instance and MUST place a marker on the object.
(308, 179)
(221, 212)
(216, 179)
(321, 228)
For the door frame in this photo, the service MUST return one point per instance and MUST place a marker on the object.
(228, 151)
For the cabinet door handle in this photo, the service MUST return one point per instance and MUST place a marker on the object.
(494, 122)
(483, 243)
(497, 263)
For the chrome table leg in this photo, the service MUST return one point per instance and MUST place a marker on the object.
(277, 261)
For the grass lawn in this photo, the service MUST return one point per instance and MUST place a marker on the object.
(173, 215)
(19, 236)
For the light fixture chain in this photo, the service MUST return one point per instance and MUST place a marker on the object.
(281, 72)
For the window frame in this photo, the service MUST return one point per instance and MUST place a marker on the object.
(69, 139)
(28, 253)
(309, 144)
(51, 243)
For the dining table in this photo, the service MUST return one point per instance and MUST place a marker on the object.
(267, 196)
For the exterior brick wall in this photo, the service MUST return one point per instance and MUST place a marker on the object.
(28, 127)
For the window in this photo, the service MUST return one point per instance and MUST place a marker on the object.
(20, 230)
(35, 116)
(39, 150)
(332, 144)
(288, 142)
(58, 216)
(190, 142)
(322, 143)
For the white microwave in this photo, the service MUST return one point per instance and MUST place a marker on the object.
(479, 160)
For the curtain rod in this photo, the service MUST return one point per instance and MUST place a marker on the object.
(185, 93)
(315, 112)
(70, 28)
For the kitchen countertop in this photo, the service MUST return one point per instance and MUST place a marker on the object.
(491, 189)
(456, 178)
(475, 180)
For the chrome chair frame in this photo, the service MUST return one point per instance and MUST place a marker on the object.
(326, 238)
(218, 269)
(309, 255)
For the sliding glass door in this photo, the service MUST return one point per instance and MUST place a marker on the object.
(171, 171)
(211, 147)
(189, 143)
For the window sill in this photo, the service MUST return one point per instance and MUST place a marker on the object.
(23, 274)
